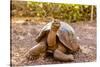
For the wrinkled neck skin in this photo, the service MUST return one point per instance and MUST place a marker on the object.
(52, 37)
(51, 40)
(53, 31)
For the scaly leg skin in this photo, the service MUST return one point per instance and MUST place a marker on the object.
(59, 54)
(36, 51)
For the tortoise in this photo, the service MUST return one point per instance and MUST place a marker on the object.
(58, 38)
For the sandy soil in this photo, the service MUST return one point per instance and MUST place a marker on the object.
(23, 36)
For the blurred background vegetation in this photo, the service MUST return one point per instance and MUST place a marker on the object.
(65, 12)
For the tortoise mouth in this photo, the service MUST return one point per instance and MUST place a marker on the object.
(55, 28)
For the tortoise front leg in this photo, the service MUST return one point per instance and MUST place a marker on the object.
(59, 54)
(36, 51)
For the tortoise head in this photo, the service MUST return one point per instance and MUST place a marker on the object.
(55, 25)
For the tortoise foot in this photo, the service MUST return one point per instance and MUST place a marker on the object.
(63, 57)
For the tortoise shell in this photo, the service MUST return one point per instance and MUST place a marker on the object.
(66, 35)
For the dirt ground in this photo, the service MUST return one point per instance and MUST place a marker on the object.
(23, 38)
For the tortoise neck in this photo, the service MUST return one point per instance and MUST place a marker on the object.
(53, 31)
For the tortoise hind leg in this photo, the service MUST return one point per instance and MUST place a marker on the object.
(59, 54)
